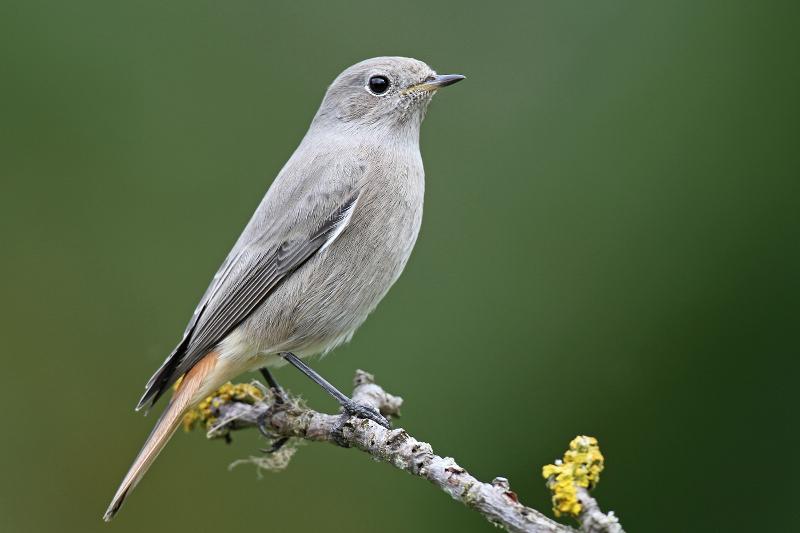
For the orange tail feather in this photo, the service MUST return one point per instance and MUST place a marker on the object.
(167, 423)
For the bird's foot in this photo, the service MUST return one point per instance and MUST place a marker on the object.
(261, 425)
(277, 441)
(367, 412)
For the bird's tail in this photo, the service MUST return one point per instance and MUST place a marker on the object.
(167, 423)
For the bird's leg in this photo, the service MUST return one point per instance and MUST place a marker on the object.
(280, 398)
(273, 384)
(348, 406)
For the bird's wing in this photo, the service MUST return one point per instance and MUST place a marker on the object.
(251, 273)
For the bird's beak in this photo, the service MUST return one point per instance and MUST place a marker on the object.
(437, 82)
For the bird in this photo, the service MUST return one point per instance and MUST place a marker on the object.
(330, 237)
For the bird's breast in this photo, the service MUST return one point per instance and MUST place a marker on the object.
(348, 280)
(373, 250)
(320, 305)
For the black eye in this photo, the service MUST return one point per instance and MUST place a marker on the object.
(379, 84)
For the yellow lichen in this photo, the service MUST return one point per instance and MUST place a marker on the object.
(207, 410)
(580, 467)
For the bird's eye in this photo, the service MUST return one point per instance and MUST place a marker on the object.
(378, 84)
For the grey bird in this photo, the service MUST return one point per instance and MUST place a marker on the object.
(330, 237)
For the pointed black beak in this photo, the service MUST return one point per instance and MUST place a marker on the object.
(446, 79)
(435, 83)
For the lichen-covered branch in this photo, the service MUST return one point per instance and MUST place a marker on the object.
(243, 406)
(570, 479)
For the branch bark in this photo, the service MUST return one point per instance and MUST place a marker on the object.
(495, 500)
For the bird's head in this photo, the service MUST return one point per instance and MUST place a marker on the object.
(382, 93)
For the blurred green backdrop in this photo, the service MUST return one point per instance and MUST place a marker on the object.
(610, 247)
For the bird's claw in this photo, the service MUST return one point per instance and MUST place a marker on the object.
(337, 434)
(277, 444)
(261, 425)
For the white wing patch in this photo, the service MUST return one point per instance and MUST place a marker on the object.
(343, 222)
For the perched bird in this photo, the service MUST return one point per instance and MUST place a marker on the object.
(326, 243)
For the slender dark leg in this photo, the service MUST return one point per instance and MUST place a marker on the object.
(350, 407)
(279, 399)
(273, 384)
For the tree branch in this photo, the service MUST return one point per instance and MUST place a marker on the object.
(283, 418)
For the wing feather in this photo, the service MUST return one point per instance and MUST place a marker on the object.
(242, 285)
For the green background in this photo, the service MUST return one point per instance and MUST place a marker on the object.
(610, 247)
